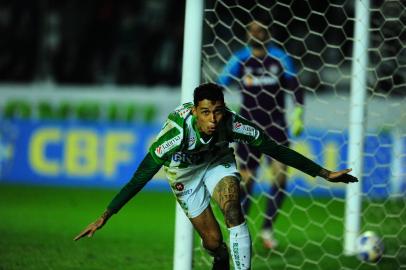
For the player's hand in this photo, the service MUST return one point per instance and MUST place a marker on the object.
(94, 226)
(339, 177)
(297, 121)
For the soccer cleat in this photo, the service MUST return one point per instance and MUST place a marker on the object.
(221, 259)
(268, 241)
(221, 263)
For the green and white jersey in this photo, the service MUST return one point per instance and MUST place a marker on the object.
(180, 145)
(184, 154)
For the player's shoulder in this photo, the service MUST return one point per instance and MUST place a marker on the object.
(233, 118)
(243, 53)
(181, 113)
(170, 138)
(230, 112)
(276, 51)
(241, 125)
(284, 58)
(176, 122)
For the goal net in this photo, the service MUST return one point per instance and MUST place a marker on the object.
(318, 36)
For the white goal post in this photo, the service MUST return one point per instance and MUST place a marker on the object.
(357, 124)
(192, 42)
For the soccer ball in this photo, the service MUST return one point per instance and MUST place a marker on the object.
(369, 247)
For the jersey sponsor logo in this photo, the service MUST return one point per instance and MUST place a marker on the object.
(192, 140)
(248, 80)
(244, 129)
(167, 146)
(182, 112)
(187, 158)
(262, 80)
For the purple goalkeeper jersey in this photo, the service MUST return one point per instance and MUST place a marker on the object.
(263, 83)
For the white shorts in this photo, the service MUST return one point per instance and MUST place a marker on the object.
(193, 187)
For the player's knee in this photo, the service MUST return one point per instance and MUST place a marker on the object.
(233, 216)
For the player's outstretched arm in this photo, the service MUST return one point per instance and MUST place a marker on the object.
(337, 177)
(94, 226)
(145, 171)
(296, 160)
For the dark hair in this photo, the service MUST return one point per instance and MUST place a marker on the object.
(210, 91)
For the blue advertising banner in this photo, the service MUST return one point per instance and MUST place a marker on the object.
(106, 155)
(73, 153)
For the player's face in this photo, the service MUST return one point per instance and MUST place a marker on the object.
(208, 115)
(257, 34)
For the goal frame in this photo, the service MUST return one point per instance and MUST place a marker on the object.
(191, 72)
(191, 65)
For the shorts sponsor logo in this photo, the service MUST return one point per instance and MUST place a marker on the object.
(179, 186)
(184, 193)
(226, 165)
(167, 146)
(244, 129)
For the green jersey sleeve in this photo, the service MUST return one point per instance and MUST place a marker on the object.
(168, 141)
(245, 131)
(146, 170)
(287, 156)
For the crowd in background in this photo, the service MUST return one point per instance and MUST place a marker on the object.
(141, 42)
(87, 42)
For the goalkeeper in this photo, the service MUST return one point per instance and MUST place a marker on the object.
(194, 148)
(264, 72)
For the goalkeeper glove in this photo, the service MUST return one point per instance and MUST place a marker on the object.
(297, 121)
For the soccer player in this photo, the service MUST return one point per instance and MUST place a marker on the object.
(193, 146)
(263, 72)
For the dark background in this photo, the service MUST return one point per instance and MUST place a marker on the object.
(140, 42)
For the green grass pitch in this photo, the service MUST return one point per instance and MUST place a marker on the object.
(37, 225)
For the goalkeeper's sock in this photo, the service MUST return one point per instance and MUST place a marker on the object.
(275, 200)
(240, 246)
